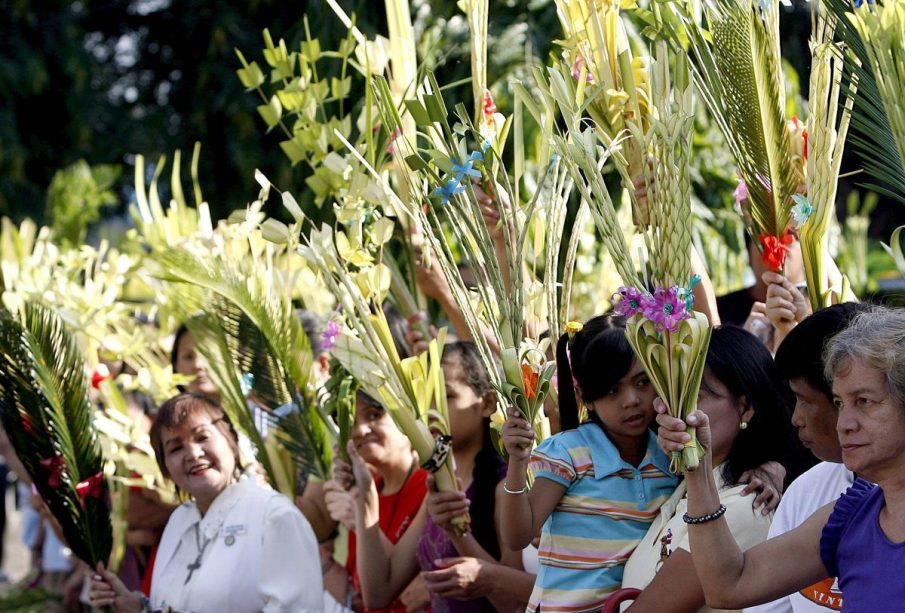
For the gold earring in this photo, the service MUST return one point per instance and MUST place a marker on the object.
(743, 425)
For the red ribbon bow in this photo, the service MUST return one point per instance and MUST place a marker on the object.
(775, 249)
(101, 374)
(55, 465)
(489, 106)
(90, 487)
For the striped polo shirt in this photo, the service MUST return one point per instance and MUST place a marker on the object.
(605, 512)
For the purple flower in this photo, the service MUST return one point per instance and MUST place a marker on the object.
(666, 309)
(328, 338)
(577, 65)
(631, 302)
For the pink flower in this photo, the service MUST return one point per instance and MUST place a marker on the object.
(328, 338)
(741, 194)
(391, 145)
(666, 309)
(631, 302)
(576, 71)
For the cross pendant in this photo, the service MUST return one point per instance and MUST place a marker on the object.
(193, 567)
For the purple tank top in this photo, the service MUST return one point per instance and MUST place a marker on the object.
(435, 544)
(854, 548)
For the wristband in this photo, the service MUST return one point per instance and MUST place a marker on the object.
(703, 519)
(524, 490)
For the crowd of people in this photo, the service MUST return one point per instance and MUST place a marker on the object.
(590, 519)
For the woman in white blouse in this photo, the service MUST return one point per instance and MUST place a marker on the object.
(236, 547)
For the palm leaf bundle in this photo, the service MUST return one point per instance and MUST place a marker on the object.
(46, 412)
(339, 401)
(617, 84)
(736, 64)
(250, 335)
(827, 129)
(668, 338)
(873, 37)
(412, 389)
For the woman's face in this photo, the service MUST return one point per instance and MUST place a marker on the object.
(725, 411)
(871, 423)
(199, 457)
(627, 409)
(467, 409)
(190, 363)
(375, 436)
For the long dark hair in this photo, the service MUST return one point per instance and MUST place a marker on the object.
(486, 474)
(741, 362)
(596, 358)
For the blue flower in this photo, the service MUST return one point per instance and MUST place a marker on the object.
(802, 209)
(466, 170)
(449, 190)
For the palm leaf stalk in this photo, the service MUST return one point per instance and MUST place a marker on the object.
(827, 129)
(499, 305)
(339, 391)
(736, 64)
(407, 388)
(618, 84)
(46, 412)
(668, 338)
(875, 44)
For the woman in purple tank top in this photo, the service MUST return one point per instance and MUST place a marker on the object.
(861, 537)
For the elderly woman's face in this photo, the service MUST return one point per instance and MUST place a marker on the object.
(199, 457)
(871, 423)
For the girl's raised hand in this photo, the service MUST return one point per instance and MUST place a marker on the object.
(342, 472)
(445, 506)
(518, 436)
(672, 436)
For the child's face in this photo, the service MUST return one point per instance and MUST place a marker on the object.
(627, 409)
(467, 409)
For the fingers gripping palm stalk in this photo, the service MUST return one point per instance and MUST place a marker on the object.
(668, 338)
(412, 390)
(46, 412)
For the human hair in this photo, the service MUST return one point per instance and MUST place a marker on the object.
(398, 329)
(464, 357)
(181, 331)
(744, 365)
(801, 353)
(176, 410)
(876, 336)
(311, 324)
(596, 358)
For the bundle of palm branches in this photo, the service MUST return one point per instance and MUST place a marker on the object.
(46, 412)
(668, 338)
(736, 63)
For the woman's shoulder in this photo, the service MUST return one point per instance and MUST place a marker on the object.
(845, 511)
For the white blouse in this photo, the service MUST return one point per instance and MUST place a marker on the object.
(252, 551)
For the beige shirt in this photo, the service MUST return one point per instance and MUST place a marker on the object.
(747, 525)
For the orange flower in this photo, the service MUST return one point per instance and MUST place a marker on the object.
(529, 380)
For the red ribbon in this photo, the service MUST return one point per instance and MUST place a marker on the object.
(775, 249)
(90, 487)
(101, 374)
(55, 465)
(489, 106)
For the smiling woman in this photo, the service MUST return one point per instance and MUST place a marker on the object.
(235, 546)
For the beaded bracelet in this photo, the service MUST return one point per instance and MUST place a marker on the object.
(703, 519)
(524, 490)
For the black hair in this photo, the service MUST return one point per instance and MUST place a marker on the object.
(744, 365)
(311, 324)
(801, 353)
(487, 471)
(181, 331)
(596, 358)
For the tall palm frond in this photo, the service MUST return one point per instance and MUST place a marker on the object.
(874, 36)
(736, 65)
(256, 330)
(46, 412)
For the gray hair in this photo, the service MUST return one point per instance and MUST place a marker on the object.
(876, 336)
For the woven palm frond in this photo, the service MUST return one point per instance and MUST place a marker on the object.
(736, 65)
(46, 412)
(874, 36)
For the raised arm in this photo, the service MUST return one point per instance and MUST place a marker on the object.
(732, 579)
(524, 510)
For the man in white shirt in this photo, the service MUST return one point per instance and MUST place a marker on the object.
(800, 360)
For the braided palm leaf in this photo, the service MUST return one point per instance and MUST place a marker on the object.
(874, 36)
(255, 331)
(45, 410)
(737, 68)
